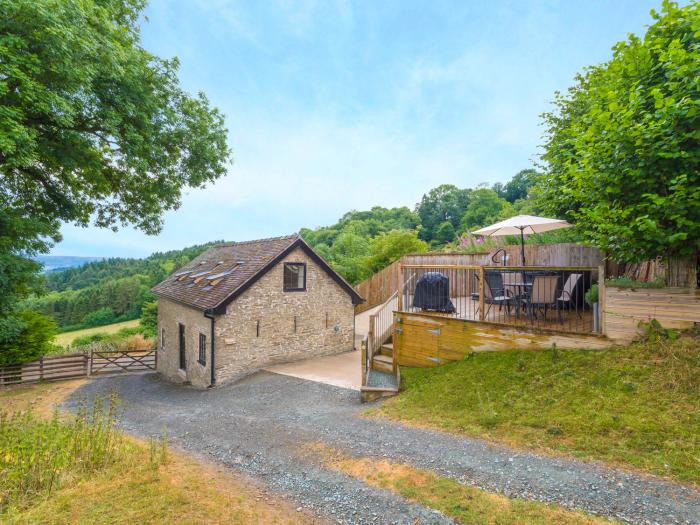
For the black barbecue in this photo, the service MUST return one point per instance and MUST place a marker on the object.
(433, 293)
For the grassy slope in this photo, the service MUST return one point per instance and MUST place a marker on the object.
(634, 406)
(66, 338)
(181, 490)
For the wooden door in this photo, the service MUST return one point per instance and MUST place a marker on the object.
(416, 342)
(181, 340)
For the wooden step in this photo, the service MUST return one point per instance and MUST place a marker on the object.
(387, 349)
(383, 363)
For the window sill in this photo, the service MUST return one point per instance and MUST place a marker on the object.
(203, 363)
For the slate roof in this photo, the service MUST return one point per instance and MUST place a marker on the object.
(217, 276)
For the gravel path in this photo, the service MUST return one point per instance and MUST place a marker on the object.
(260, 425)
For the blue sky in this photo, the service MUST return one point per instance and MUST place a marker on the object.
(340, 105)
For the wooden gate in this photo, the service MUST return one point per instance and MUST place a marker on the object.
(111, 361)
(73, 366)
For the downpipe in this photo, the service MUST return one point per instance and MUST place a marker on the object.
(210, 315)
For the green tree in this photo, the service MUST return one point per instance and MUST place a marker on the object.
(32, 340)
(443, 203)
(623, 144)
(99, 317)
(485, 207)
(390, 246)
(93, 125)
(93, 128)
(347, 256)
(149, 318)
(518, 187)
(445, 233)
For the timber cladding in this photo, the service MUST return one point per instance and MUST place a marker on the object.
(625, 308)
(380, 286)
(426, 340)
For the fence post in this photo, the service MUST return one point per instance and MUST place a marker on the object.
(601, 298)
(400, 287)
(370, 336)
(41, 368)
(89, 373)
(482, 289)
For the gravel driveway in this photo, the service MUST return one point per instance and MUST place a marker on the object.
(260, 425)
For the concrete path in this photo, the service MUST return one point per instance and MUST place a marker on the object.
(263, 425)
(342, 370)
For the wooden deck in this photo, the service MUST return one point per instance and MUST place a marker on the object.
(467, 309)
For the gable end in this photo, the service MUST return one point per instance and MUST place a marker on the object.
(299, 243)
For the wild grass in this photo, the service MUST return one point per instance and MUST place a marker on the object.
(634, 406)
(37, 456)
(81, 469)
(463, 503)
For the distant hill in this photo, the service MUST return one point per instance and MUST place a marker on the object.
(97, 291)
(53, 263)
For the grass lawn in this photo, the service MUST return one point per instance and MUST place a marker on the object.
(463, 503)
(66, 338)
(139, 482)
(636, 406)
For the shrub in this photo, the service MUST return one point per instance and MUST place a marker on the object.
(98, 317)
(125, 339)
(149, 318)
(32, 341)
(85, 340)
(591, 295)
(625, 282)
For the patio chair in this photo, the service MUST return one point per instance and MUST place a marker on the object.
(514, 285)
(512, 278)
(493, 293)
(542, 294)
(567, 293)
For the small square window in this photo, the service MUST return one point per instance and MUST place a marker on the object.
(202, 349)
(294, 277)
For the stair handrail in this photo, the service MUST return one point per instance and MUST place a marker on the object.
(381, 325)
(495, 254)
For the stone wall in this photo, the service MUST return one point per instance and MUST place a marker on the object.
(266, 325)
(170, 315)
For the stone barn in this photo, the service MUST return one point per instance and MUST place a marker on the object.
(243, 306)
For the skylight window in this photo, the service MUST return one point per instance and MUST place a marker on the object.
(219, 275)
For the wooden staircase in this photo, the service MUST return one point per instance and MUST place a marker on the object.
(380, 374)
(383, 360)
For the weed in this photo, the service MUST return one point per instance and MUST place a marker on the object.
(653, 331)
(36, 455)
(554, 352)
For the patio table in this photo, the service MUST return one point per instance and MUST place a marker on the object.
(521, 290)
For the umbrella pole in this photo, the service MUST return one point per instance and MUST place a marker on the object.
(522, 247)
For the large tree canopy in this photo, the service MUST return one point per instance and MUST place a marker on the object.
(623, 145)
(93, 126)
(93, 129)
(443, 203)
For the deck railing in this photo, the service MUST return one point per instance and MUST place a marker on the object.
(543, 297)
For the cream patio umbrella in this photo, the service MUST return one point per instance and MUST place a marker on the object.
(520, 225)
